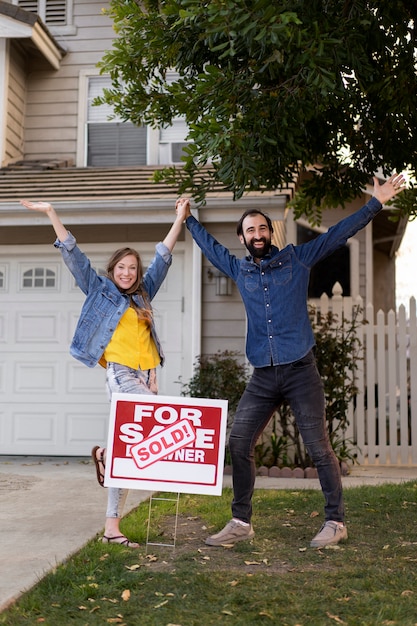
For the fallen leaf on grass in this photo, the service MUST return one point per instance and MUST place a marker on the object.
(265, 614)
(158, 606)
(113, 600)
(227, 612)
(126, 595)
(115, 620)
(233, 583)
(335, 617)
(314, 514)
(407, 592)
(132, 568)
(251, 562)
(302, 549)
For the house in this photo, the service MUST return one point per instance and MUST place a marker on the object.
(56, 146)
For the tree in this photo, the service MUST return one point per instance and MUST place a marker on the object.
(325, 91)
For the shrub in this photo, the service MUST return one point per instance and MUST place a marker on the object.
(225, 375)
(222, 375)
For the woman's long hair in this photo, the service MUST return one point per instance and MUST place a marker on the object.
(144, 313)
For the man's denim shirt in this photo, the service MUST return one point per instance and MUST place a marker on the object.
(275, 291)
(105, 304)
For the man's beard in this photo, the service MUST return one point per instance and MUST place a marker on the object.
(258, 253)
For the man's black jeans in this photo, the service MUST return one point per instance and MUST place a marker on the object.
(300, 384)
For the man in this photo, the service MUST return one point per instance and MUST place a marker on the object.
(273, 284)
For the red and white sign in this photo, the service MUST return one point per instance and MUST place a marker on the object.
(165, 443)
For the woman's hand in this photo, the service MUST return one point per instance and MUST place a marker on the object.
(182, 208)
(44, 207)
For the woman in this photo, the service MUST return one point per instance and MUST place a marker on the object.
(116, 328)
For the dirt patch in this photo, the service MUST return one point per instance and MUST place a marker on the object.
(248, 556)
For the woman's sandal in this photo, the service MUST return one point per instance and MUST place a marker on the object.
(116, 540)
(99, 464)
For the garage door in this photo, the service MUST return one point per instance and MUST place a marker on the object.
(50, 403)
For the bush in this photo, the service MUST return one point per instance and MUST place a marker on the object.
(225, 375)
(337, 354)
(222, 375)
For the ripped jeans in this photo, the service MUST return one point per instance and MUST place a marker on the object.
(300, 384)
(122, 379)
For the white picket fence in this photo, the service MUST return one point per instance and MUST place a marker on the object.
(383, 417)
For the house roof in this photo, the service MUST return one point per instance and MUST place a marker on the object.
(49, 180)
(111, 194)
(27, 27)
(83, 190)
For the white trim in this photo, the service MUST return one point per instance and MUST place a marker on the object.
(11, 28)
(81, 153)
(4, 89)
(354, 267)
(369, 264)
(196, 287)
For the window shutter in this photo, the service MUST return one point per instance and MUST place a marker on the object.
(56, 12)
(113, 144)
(52, 12)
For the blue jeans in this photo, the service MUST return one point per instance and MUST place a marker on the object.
(300, 384)
(122, 379)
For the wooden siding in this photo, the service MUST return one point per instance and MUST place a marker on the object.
(52, 108)
(223, 317)
(16, 97)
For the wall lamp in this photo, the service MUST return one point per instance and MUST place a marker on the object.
(224, 284)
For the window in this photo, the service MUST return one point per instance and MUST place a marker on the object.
(334, 268)
(104, 140)
(111, 142)
(38, 277)
(171, 142)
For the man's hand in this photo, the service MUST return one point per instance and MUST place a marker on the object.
(393, 186)
(182, 208)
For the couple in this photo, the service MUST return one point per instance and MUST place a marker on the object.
(273, 285)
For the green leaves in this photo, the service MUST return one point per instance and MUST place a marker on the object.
(268, 89)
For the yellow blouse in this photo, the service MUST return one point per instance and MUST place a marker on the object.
(132, 344)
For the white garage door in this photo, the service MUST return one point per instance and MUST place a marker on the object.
(50, 403)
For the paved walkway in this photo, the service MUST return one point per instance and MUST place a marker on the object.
(51, 507)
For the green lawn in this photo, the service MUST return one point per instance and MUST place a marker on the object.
(275, 579)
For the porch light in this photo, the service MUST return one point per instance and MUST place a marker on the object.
(224, 284)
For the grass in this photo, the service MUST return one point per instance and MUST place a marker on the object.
(275, 579)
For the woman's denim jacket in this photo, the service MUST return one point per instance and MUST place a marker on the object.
(105, 304)
(275, 291)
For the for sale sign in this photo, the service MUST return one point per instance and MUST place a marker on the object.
(165, 443)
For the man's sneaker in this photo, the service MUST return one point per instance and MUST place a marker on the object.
(329, 534)
(231, 533)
